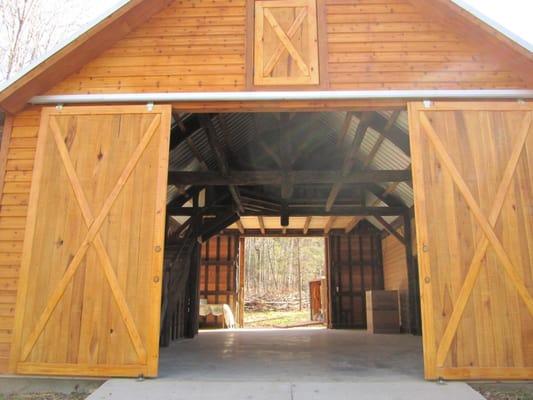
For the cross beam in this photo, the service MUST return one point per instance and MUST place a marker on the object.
(274, 177)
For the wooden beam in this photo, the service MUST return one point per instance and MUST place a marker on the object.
(261, 222)
(275, 178)
(345, 129)
(415, 326)
(284, 218)
(285, 148)
(197, 154)
(307, 224)
(395, 134)
(389, 228)
(221, 159)
(215, 226)
(351, 157)
(304, 211)
(372, 154)
(390, 188)
(240, 226)
(329, 224)
(270, 152)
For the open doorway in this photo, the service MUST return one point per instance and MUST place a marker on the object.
(284, 280)
(246, 188)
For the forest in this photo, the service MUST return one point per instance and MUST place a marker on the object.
(278, 271)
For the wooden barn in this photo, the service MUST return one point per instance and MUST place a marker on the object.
(137, 158)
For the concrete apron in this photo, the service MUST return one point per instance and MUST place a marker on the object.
(289, 365)
(125, 389)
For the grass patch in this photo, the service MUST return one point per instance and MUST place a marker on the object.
(270, 319)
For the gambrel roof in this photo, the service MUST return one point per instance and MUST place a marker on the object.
(131, 14)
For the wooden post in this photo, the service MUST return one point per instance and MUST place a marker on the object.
(298, 266)
(242, 279)
(412, 277)
(192, 324)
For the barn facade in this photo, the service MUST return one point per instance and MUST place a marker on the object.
(136, 158)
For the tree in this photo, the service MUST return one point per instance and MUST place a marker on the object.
(29, 28)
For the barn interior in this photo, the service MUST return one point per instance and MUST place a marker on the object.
(344, 176)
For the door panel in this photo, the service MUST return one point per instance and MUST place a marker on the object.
(473, 184)
(286, 43)
(90, 287)
(354, 267)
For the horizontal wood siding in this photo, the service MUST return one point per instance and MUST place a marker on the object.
(15, 194)
(389, 44)
(395, 275)
(199, 45)
(192, 45)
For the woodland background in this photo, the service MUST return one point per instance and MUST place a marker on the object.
(278, 271)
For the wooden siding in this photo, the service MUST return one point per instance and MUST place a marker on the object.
(77, 281)
(472, 166)
(219, 275)
(395, 275)
(390, 44)
(354, 266)
(20, 150)
(192, 45)
(200, 45)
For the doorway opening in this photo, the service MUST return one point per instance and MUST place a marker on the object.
(245, 189)
(285, 282)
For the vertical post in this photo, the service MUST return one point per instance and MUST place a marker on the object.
(192, 324)
(242, 279)
(350, 283)
(299, 274)
(412, 277)
(329, 278)
(362, 289)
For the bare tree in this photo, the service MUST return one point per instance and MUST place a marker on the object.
(28, 28)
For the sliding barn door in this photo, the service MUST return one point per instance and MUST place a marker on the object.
(89, 299)
(473, 183)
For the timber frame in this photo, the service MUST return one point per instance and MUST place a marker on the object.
(348, 167)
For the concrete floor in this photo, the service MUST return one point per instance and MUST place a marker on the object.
(310, 364)
(294, 355)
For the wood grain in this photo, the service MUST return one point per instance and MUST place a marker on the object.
(92, 300)
(473, 244)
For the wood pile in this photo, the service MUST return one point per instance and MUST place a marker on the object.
(275, 302)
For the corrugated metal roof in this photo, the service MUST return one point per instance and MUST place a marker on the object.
(241, 127)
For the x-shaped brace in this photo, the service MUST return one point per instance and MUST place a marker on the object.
(286, 43)
(93, 237)
(487, 226)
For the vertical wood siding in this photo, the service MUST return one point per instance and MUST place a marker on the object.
(15, 194)
(355, 266)
(472, 178)
(218, 275)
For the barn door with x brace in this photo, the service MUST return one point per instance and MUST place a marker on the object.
(473, 185)
(90, 288)
(286, 42)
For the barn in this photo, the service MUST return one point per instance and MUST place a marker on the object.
(136, 158)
